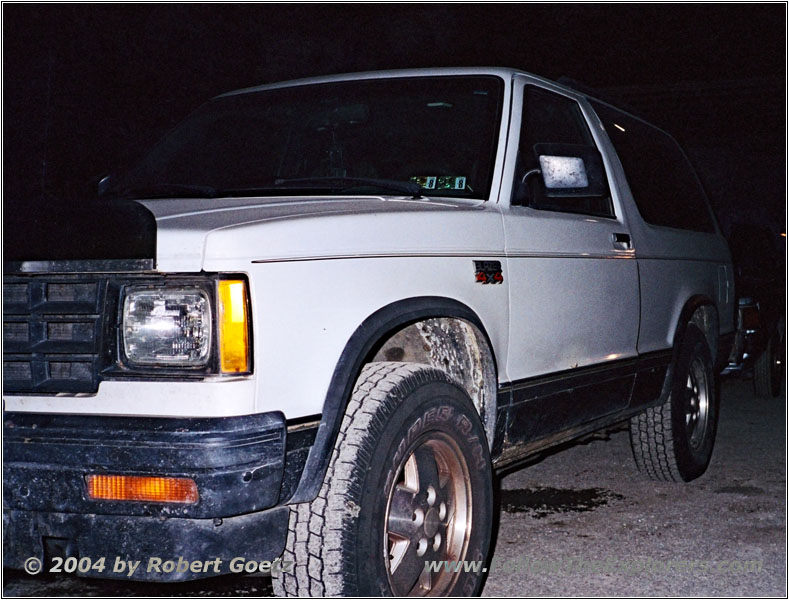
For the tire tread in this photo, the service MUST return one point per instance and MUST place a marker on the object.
(316, 529)
(656, 452)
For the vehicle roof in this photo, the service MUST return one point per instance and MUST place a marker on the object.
(503, 72)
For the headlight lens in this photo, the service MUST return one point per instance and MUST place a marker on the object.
(167, 326)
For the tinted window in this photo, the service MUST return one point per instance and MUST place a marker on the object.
(553, 118)
(349, 137)
(549, 118)
(664, 185)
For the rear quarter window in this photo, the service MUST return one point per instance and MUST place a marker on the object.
(665, 188)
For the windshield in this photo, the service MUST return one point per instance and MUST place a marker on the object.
(429, 135)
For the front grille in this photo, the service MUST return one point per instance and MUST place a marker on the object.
(52, 333)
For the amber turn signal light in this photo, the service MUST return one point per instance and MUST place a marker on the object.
(233, 326)
(142, 489)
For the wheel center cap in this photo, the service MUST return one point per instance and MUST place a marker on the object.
(432, 522)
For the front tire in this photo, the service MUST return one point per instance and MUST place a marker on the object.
(674, 441)
(409, 475)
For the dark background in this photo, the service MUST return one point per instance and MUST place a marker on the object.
(87, 88)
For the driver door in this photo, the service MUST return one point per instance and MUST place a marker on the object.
(574, 300)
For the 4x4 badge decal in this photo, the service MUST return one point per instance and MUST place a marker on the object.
(488, 271)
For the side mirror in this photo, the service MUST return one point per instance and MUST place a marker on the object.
(571, 171)
(103, 185)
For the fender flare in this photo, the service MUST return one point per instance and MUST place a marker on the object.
(691, 306)
(358, 348)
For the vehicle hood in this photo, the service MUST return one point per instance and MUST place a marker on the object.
(214, 235)
(75, 229)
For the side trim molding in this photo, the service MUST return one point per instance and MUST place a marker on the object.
(538, 409)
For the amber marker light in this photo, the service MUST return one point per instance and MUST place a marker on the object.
(142, 489)
(233, 326)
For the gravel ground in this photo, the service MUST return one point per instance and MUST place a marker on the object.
(620, 536)
(583, 522)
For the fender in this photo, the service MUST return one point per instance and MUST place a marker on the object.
(691, 306)
(357, 350)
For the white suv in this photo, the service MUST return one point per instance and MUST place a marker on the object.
(346, 303)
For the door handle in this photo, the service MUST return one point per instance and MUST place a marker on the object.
(621, 241)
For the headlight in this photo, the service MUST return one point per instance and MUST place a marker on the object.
(167, 326)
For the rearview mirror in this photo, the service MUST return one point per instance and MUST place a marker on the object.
(571, 170)
(340, 116)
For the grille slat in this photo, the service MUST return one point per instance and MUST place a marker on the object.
(17, 332)
(17, 371)
(80, 331)
(72, 292)
(15, 294)
(70, 370)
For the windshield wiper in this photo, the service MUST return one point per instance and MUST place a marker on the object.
(185, 190)
(164, 190)
(404, 187)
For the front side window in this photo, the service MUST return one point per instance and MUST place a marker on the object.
(664, 185)
(557, 151)
(362, 136)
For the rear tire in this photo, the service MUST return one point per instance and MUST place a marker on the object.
(674, 441)
(409, 475)
(768, 369)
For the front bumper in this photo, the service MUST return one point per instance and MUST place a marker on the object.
(236, 462)
(152, 541)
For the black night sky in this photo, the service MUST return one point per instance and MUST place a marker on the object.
(88, 87)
